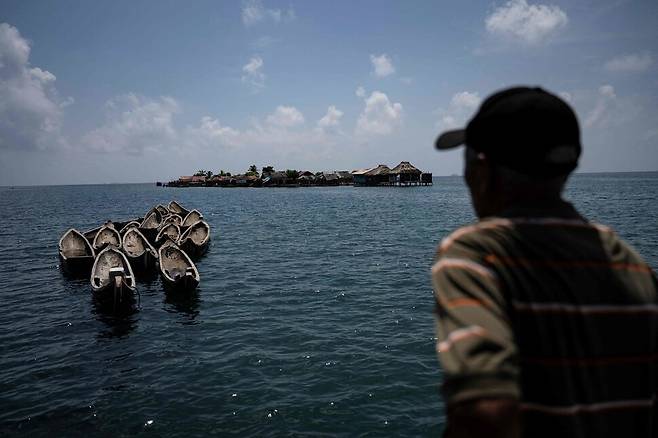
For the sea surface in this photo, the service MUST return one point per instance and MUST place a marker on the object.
(313, 316)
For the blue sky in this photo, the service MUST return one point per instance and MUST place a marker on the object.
(122, 91)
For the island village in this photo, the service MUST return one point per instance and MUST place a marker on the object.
(403, 175)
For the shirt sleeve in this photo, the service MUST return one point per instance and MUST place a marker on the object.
(475, 342)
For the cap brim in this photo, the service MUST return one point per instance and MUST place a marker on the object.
(451, 139)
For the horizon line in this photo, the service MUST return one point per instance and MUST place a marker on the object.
(154, 182)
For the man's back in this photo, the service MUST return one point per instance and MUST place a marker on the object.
(556, 312)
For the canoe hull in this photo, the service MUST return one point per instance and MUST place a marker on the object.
(184, 283)
(193, 250)
(112, 280)
(195, 240)
(78, 267)
(108, 297)
(142, 263)
(149, 233)
(177, 270)
(76, 255)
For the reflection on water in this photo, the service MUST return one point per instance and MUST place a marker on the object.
(119, 322)
(147, 278)
(186, 303)
(308, 298)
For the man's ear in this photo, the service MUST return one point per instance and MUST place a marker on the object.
(485, 177)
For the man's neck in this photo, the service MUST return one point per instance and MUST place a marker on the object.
(548, 207)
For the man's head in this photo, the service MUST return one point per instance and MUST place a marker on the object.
(521, 145)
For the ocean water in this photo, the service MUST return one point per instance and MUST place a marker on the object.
(313, 316)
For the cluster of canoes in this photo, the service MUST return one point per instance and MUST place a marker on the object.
(168, 238)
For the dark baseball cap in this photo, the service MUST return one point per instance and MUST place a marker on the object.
(526, 129)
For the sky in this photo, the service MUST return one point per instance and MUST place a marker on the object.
(125, 91)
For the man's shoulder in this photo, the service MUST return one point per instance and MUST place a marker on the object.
(499, 233)
(476, 236)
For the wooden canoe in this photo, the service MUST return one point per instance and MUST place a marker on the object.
(175, 208)
(139, 252)
(169, 232)
(150, 224)
(192, 217)
(129, 225)
(196, 239)
(91, 234)
(164, 211)
(107, 236)
(171, 219)
(112, 279)
(177, 270)
(76, 255)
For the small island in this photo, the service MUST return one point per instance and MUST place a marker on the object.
(402, 175)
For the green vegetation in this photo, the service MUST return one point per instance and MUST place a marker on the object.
(292, 174)
(252, 171)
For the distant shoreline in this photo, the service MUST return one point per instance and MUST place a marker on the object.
(154, 182)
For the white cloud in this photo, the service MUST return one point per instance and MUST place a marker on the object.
(67, 102)
(43, 76)
(633, 63)
(285, 117)
(331, 120)
(135, 124)
(253, 12)
(383, 65)
(138, 125)
(253, 73)
(379, 117)
(360, 92)
(30, 111)
(531, 24)
(211, 133)
(606, 98)
(462, 105)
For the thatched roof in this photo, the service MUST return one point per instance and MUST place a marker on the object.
(405, 167)
(382, 169)
(361, 171)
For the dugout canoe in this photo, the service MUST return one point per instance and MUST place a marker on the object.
(112, 279)
(168, 232)
(76, 255)
(171, 219)
(139, 252)
(175, 208)
(128, 226)
(150, 224)
(195, 240)
(90, 235)
(164, 211)
(191, 218)
(107, 236)
(177, 270)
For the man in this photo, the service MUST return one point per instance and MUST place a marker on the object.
(547, 323)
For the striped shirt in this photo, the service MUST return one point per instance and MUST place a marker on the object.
(556, 312)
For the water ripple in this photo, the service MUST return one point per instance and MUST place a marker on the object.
(313, 316)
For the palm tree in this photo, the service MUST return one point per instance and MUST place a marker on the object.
(292, 174)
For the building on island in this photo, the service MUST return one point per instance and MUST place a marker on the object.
(402, 175)
(405, 174)
(375, 176)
